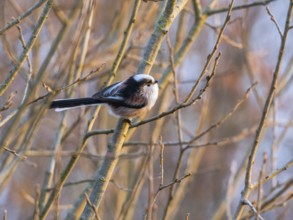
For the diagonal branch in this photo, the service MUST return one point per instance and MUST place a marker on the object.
(28, 48)
(247, 187)
(22, 16)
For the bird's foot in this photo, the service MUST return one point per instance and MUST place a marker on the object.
(129, 121)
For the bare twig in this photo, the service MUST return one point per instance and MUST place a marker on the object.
(162, 187)
(37, 200)
(247, 188)
(162, 161)
(55, 44)
(175, 89)
(222, 120)
(239, 7)
(22, 16)
(274, 21)
(210, 56)
(174, 182)
(249, 204)
(30, 73)
(117, 185)
(260, 190)
(14, 153)
(7, 105)
(92, 207)
(57, 145)
(277, 200)
(77, 81)
(150, 179)
(29, 46)
(272, 202)
(272, 175)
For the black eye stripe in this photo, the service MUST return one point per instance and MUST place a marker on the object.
(145, 82)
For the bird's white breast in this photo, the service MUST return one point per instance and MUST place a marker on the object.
(151, 92)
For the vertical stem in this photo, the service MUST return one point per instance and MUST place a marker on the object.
(247, 187)
(105, 172)
(170, 12)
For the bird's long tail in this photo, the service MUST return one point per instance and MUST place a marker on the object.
(64, 104)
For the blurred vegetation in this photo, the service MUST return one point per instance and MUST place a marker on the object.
(191, 164)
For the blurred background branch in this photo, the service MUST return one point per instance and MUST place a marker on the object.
(79, 163)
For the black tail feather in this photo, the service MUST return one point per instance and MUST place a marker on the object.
(69, 103)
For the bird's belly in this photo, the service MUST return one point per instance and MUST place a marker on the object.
(126, 112)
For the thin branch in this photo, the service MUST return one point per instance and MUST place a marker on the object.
(272, 175)
(260, 189)
(22, 16)
(224, 141)
(162, 187)
(30, 73)
(77, 81)
(222, 120)
(247, 188)
(92, 206)
(118, 186)
(162, 160)
(65, 28)
(272, 202)
(29, 46)
(210, 56)
(7, 105)
(274, 21)
(14, 153)
(249, 204)
(174, 182)
(37, 200)
(239, 7)
(15, 117)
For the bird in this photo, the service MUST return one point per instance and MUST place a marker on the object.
(127, 99)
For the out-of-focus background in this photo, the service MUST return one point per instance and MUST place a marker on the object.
(210, 140)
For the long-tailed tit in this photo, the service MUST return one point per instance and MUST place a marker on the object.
(129, 98)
